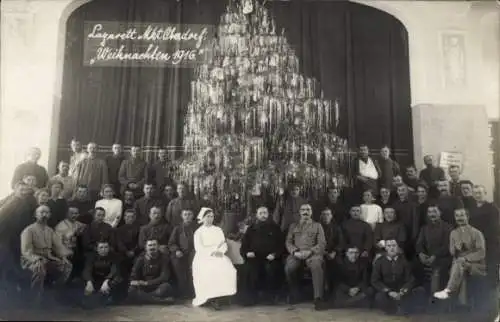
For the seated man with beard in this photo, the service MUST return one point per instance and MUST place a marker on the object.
(43, 254)
(150, 276)
(102, 276)
(262, 247)
(306, 245)
(353, 289)
(393, 281)
(70, 231)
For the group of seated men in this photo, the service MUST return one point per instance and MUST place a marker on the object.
(383, 249)
(352, 262)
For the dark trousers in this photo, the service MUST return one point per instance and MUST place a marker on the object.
(360, 300)
(11, 273)
(492, 265)
(262, 274)
(97, 299)
(488, 300)
(150, 294)
(432, 278)
(183, 274)
(409, 249)
(78, 262)
(408, 302)
(241, 282)
(94, 195)
(315, 264)
(125, 270)
(330, 275)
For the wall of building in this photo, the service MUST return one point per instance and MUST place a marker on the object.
(32, 34)
(454, 83)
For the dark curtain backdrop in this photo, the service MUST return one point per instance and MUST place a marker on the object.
(359, 55)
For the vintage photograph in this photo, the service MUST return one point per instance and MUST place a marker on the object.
(250, 160)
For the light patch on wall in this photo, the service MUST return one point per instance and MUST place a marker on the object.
(490, 32)
(452, 45)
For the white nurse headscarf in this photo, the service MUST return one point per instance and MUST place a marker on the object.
(202, 213)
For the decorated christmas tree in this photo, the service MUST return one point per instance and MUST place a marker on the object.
(254, 119)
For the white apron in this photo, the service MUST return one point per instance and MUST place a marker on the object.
(212, 276)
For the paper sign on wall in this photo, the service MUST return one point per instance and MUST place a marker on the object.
(448, 159)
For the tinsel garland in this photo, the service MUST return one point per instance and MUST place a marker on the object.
(253, 117)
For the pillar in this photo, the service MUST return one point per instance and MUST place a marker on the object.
(30, 53)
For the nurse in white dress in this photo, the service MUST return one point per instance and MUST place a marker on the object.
(213, 273)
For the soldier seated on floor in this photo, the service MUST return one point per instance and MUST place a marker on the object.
(393, 282)
(101, 275)
(150, 276)
(353, 281)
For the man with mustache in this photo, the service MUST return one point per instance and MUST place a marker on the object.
(306, 244)
(467, 247)
(411, 178)
(393, 281)
(113, 163)
(150, 275)
(367, 171)
(261, 248)
(31, 167)
(388, 167)
(466, 188)
(101, 276)
(43, 254)
(406, 211)
(431, 175)
(173, 215)
(447, 203)
(288, 211)
(133, 172)
(433, 255)
(91, 171)
(16, 212)
(455, 187)
(358, 233)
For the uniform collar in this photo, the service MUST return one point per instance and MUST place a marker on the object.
(392, 259)
(305, 220)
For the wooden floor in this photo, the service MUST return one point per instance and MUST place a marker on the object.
(186, 313)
